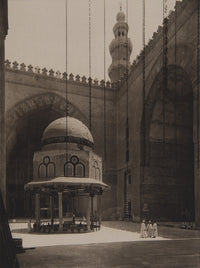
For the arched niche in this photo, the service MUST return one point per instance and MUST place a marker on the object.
(26, 122)
(167, 151)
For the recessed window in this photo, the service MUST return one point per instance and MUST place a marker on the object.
(69, 170)
(119, 33)
(74, 168)
(96, 171)
(51, 170)
(46, 169)
(80, 170)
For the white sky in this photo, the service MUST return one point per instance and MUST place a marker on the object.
(37, 32)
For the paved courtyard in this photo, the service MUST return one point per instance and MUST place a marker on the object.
(169, 254)
(105, 235)
(111, 247)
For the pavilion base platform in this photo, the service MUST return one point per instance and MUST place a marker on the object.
(79, 226)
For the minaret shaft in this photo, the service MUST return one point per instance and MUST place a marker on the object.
(120, 49)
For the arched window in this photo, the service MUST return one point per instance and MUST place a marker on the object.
(51, 170)
(119, 33)
(96, 171)
(97, 174)
(42, 171)
(80, 170)
(74, 168)
(69, 170)
(93, 171)
(46, 169)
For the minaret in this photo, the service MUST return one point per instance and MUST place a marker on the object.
(120, 49)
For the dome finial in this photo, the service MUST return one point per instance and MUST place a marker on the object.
(120, 6)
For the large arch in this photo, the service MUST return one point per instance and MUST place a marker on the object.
(26, 122)
(167, 182)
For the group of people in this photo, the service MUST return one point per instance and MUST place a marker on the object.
(149, 229)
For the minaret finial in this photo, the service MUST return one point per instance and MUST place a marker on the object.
(120, 6)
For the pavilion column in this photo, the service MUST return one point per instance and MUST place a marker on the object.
(37, 210)
(60, 207)
(88, 213)
(51, 208)
(99, 208)
(92, 207)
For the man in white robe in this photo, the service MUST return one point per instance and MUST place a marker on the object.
(143, 230)
(155, 230)
(149, 229)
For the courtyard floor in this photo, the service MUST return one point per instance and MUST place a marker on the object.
(119, 246)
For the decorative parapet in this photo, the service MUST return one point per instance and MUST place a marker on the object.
(7, 64)
(30, 68)
(179, 7)
(15, 65)
(37, 70)
(57, 75)
(44, 71)
(22, 67)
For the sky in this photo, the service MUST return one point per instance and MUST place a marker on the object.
(37, 32)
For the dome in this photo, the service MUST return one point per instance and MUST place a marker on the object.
(120, 17)
(76, 132)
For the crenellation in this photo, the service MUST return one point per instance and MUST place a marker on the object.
(133, 65)
(89, 81)
(15, 65)
(51, 72)
(102, 83)
(180, 5)
(96, 82)
(160, 30)
(171, 17)
(108, 84)
(116, 84)
(37, 70)
(78, 78)
(84, 80)
(64, 76)
(22, 67)
(44, 71)
(57, 75)
(30, 68)
(7, 64)
(71, 77)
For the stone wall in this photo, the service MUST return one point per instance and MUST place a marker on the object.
(34, 98)
(186, 40)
